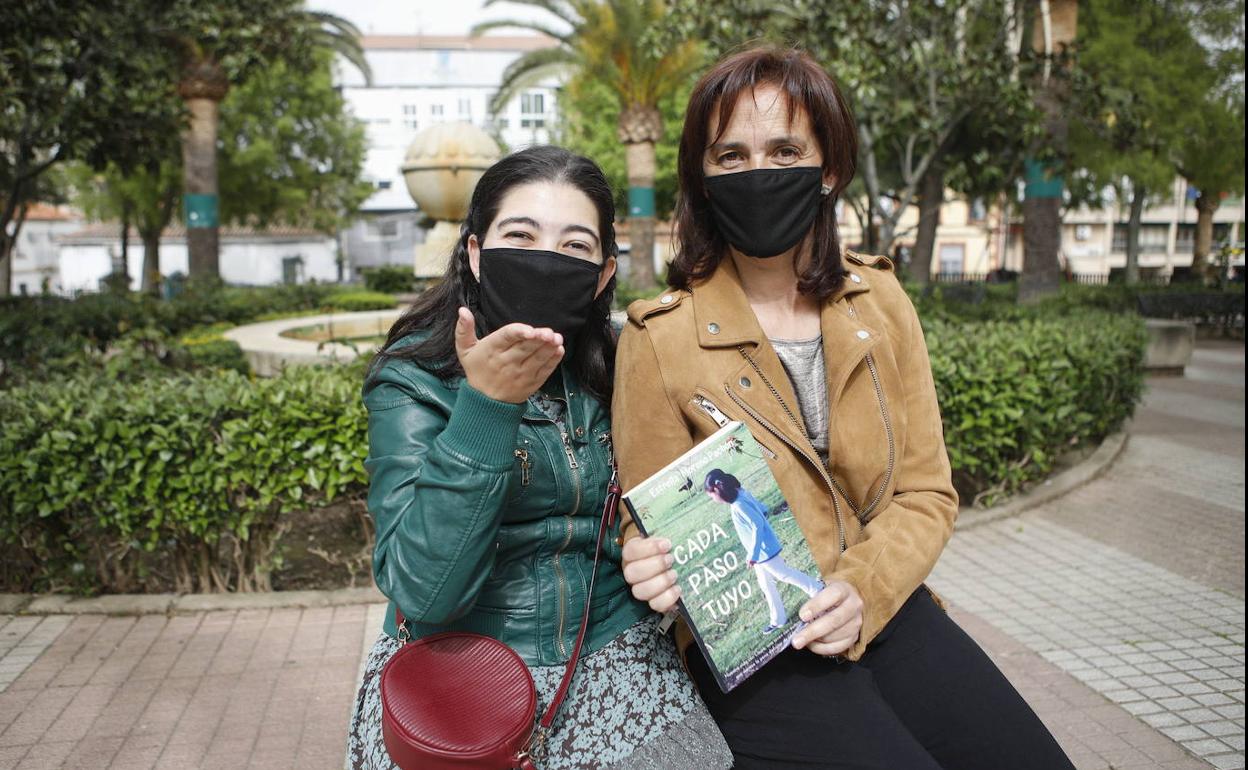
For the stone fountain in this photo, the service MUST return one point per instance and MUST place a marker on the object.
(441, 168)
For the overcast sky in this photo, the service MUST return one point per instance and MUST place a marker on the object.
(427, 17)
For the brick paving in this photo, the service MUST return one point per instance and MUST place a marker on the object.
(1132, 587)
(1117, 611)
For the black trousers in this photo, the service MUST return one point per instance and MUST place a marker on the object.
(924, 696)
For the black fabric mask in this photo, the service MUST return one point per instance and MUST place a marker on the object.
(538, 288)
(765, 212)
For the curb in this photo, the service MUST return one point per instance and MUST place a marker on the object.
(183, 604)
(1050, 489)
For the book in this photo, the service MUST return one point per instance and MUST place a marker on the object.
(741, 561)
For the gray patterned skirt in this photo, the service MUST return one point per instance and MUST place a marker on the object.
(631, 705)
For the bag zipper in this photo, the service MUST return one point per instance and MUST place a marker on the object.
(523, 456)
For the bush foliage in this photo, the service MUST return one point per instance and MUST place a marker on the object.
(152, 462)
(178, 482)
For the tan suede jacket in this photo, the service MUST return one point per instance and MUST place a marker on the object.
(879, 514)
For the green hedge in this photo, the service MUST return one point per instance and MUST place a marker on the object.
(390, 279)
(170, 483)
(355, 301)
(1015, 395)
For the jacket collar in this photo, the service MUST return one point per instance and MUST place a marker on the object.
(724, 316)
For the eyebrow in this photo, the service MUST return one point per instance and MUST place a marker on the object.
(531, 222)
(778, 141)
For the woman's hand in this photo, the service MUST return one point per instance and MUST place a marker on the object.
(834, 618)
(648, 569)
(508, 364)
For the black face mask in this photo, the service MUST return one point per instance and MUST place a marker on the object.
(538, 288)
(765, 212)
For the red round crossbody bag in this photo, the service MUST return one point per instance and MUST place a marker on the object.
(461, 701)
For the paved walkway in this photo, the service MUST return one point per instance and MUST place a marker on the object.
(1117, 610)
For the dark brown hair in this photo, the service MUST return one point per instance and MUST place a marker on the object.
(700, 246)
(433, 316)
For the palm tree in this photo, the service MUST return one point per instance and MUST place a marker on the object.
(611, 41)
(220, 44)
(1054, 30)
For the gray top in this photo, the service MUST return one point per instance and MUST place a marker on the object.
(803, 361)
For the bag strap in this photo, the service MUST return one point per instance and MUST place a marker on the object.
(609, 510)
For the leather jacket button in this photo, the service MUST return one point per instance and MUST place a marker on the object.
(580, 432)
(745, 382)
(713, 328)
(855, 278)
(863, 334)
(666, 299)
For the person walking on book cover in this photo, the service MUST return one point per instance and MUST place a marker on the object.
(762, 546)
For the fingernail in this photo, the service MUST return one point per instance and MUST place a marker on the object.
(671, 573)
(665, 544)
(669, 560)
(798, 641)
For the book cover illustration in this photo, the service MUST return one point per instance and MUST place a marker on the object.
(741, 560)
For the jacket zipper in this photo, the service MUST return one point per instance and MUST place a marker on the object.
(560, 578)
(721, 419)
(523, 456)
(888, 431)
(823, 473)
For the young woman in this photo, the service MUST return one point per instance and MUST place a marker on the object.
(489, 457)
(820, 353)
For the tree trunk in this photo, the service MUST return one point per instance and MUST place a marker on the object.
(1133, 232)
(871, 235)
(203, 87)
(1052, 32)
(1206, 205)
(640, 128)
(931, 198)
(6, 264)
(151, 260)
(125, 241)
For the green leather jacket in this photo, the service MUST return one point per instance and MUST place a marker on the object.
(487, 514)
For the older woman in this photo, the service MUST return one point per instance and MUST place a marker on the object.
(818, 350)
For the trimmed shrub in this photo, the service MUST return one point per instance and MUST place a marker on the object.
(390, 279)
(355, 301)
(1016, 395)
(170, 483)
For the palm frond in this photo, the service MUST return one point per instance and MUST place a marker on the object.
(343, 38)
(564, 10)
(528, 69)
(485, 26)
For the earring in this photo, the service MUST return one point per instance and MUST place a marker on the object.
(825, 189)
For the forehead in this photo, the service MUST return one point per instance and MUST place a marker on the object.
(551, 204)
(757, 114)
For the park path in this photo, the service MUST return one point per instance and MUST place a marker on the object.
(1117, 610)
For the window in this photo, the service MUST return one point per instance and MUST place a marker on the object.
(532, 110)
(465, 109)
(951, 257)
(1152, 238)
(410, 119)
(383, 229)
(977, 211)
(436, 112)
(384, 184)
(21, 289)
(1185, 239)
(1083, 232)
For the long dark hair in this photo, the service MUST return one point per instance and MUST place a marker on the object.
(700, 246)
(436, 310)
(723, 484)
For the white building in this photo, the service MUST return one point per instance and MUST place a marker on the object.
(248, 256)
(420, 80)
(35, 267)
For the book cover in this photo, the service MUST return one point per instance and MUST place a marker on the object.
(742, 562)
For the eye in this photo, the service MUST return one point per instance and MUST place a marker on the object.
(726, 158)
(519, 234)
(580, 246)
(789, 152)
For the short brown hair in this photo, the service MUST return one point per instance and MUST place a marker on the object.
(700, 246)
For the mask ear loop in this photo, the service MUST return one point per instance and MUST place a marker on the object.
(825, 189)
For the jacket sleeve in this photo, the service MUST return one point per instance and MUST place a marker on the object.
(436, 491)
(642, 415)
(902, 541)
